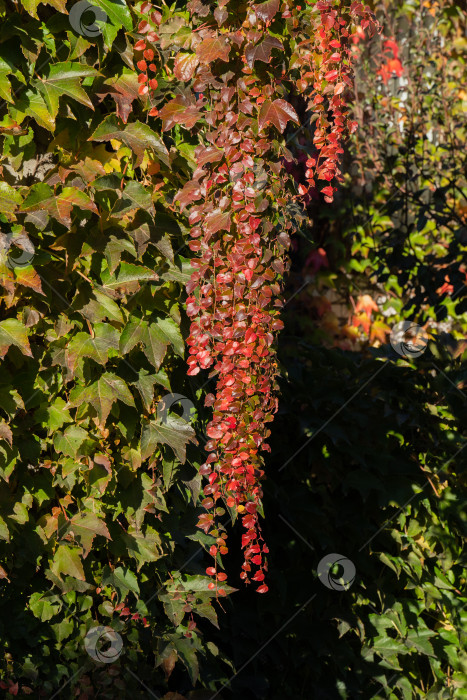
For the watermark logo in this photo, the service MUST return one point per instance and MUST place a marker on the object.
(84, 17)
(165, 404)
(336, 572)
(408, 339)
(19, 255)
(103, 644)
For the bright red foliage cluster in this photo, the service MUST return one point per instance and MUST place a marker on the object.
(234, 301)
(326, 62)
(392, 62)
(237, 206)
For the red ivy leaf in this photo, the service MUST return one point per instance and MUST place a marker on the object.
(217, 221)
(221, 14)
(262, 51)
(185, 66)
(207, 154)
(278, 113)
(179, 111)
(124, 90)
(266, 11)
(213, 48)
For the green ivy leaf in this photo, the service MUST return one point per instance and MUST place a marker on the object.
(64, 79)
(53, 416)
(132, 334)
(117, 11)
(86, 526)
(70, 441)
(155, 345)
(98, 348)
(41, 197)
(12, 332)
(67, 562)
(122, 579)
(10, 199)
(44, 606)
(30, 103)
(136, 136)
(134, 197)
(4, 532)
(143, 547)
(128, 277)
(103, 394)
(175, 433)
(188, 655)
(32, 5)
(169, 330)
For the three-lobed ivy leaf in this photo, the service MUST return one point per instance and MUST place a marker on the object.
(103, 393)
(174, 432)
(213, 48)
(86, 526)
(64, 79)
(122, 579)
(262, 51)
(54, 415)
(266, 11)
(277, 112)
(41, 197)
(179, 111)
(67, 562)
(143, 547)
(136, 136)
(134, 197)
(97, 348)
(13, 332)
(69, 442)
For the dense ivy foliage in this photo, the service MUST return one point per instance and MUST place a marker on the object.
(154, 160)
(96, 522)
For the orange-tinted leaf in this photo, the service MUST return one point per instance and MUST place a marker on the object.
(28, 277)
(213, 48)
(179, 111)
(185, 66)
(124, 90)
(209, 154)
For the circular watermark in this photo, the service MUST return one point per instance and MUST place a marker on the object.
(103, 644)
(19, 255)
(166, 403)
(83, 19)
(408, 339)
(336, 572)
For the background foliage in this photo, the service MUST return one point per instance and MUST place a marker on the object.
(98, 503)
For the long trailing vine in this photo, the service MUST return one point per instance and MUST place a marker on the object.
(236, 81)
